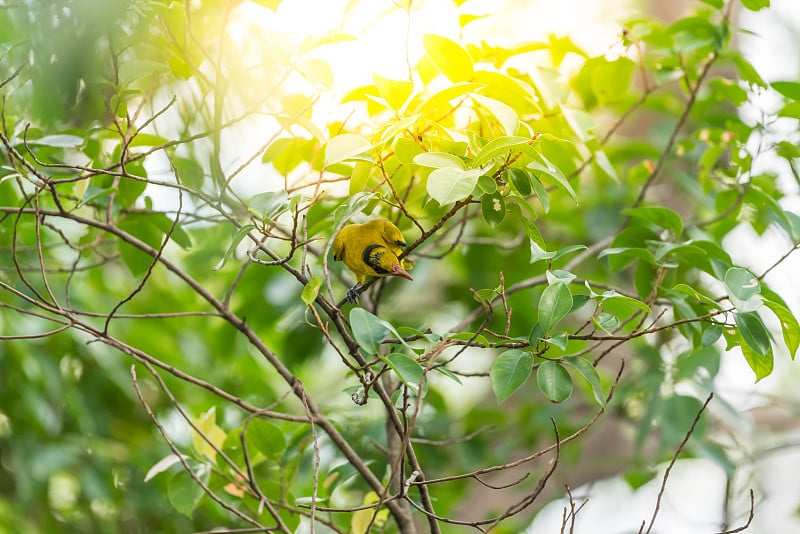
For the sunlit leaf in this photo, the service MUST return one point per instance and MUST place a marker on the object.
(395, 92)
(311, 290)
(448, 185)
(554, 172)
(353, 205)
(318, 72)
(439, 160)
(271, 4)
(504, 114)
(449, 57)
(208, 437)
(321, 39)
(345, 146)
(363, 520)
(406, 150)
(497, 147)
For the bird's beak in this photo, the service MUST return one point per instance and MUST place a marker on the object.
(399, 271)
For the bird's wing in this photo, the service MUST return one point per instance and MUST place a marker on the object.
(338, 246)
(392, 234)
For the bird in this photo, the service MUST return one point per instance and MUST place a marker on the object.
(371, 249)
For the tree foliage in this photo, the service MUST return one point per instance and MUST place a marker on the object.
(175, 337)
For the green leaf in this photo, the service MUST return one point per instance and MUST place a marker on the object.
(554, 304)
(559, 340)
(440, 160)
(789, 325)
(554, 172)
(554, 381)
(605, 165)
(605, 322)
(541, 193)
(755, 5)
(146, 229)
(184, 493)
(406, 150)
(448, 185)
(790, 110)
(267, 438)
(538, 251)
(311, 290)
(269, 205)
(353, 205)
(753, 332)
(660, 216)
(449, 57)
(448, 373)
(568, 250)
(505, 115)
(368, 330)
(521, 180)
(58, 141)
(395, 92)
(406, 368)
(711, 335)
(630, 301)
(345, 146)
(589, 373)
(509, 371)
(237, 238)
(741, 284)
(440, 102)
(359, 178)
(559, 276)
(497, 147)
(487, 184)
(761, 364)
(787, 89)
(493, 208)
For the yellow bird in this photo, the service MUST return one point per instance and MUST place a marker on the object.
(371, 249)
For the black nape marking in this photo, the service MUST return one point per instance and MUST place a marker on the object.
(373, 260)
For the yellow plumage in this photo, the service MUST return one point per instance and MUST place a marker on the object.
(371, 249)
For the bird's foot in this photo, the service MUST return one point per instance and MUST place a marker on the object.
(352, 294)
